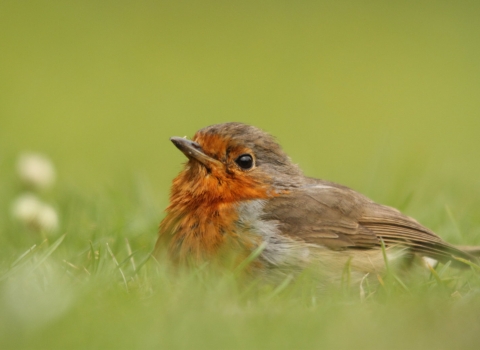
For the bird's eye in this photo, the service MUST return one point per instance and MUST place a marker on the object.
(245, 161)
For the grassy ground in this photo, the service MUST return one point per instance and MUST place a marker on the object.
(382, 98)
(96, 287)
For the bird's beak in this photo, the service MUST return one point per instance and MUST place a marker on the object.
(194, 151)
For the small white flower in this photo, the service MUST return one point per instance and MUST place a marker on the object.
(36, 170)
(47, 218)
(30, 211)
(26, 207)
(429, 262)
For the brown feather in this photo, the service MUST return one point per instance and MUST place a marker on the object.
(339, 218)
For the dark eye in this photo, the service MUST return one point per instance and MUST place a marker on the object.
(245, 161)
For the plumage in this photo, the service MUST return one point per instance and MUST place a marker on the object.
(222, 203)
(340, 218)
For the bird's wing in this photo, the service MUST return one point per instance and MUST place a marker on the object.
(338, 218)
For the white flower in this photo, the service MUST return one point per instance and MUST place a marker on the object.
(26, 207)
(429, 262)
(36, 170)
(47, 218)
(32, 212)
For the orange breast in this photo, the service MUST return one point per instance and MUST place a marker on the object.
(201, 218)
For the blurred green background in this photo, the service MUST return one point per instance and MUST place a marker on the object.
(381, 96)
(348, 87)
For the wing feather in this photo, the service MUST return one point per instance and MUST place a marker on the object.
(339, 218)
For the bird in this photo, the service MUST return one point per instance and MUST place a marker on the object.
(239, 194)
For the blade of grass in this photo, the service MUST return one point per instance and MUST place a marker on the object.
(118, 266)
(474, 266)
(435, 275)
(31, 249)
(454, 221)
(129, 250)
(362, 290)
(400, 282)
(281, 287)
(389, 272)
(47, 253)
(444, 268)
(253, 255)
(144, 261)
(94, 257)
(129, 258)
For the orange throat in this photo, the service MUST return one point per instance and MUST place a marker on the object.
(202, 215)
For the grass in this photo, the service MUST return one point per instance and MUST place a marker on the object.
(380, 97)
(94, 285)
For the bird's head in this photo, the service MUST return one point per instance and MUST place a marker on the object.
(232, 162)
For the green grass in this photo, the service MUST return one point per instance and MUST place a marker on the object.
(381, 97)
(97, 287)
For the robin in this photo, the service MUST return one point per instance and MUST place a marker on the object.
(240, 193)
